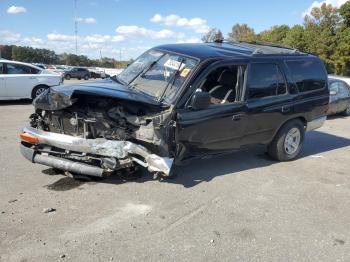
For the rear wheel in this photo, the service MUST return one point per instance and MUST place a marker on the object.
(38, 90)
(86, 77)
(288, 142)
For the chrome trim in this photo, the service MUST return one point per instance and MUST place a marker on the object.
(316, 123)
(104, 147)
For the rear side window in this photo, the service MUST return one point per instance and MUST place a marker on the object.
(1, 68)
(265, 80)
(14, 69)
(307, 75)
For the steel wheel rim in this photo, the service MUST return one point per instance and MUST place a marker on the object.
(39, 91)
(292, 141)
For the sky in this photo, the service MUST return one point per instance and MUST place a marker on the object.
(126, 28)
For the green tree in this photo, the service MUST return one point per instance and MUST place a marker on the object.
(275, 34)
(242, 33)
(295, 38)
(320, 30)
(213, 35)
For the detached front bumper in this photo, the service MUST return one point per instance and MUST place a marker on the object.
(120, 150)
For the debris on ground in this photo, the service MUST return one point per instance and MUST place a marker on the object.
(49, 210)
(13, 200)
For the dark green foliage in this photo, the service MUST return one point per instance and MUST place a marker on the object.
(45, 56)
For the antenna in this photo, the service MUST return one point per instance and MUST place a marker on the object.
(76, 27)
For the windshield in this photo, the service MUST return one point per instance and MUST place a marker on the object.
(158, 74)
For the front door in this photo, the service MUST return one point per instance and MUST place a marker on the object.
(3, 92)
(20, 80)
(220, 126)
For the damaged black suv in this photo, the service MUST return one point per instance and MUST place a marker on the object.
(178, 102)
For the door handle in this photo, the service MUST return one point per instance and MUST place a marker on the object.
(285, 109)
(237, 117)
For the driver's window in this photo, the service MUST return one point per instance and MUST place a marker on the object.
(224, 84)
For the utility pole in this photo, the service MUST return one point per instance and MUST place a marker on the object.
(76, 27)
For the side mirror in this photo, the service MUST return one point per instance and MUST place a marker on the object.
(333, 93)
(200, 100)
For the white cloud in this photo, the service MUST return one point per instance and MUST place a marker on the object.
(118, 38)
(60, 37)
(335, 3)
(16, 9)
(89, 20)
(7, 36)
(197, 24)
(190, 40)
(136, 31)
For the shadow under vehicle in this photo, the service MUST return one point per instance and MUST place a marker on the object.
(179, 102)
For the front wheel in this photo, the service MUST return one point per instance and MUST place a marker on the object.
(288, 142)
(37, 91)
(347, 111)
(87, 77)
(67, 77)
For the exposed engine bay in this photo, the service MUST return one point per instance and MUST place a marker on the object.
(99, 117)
(103, 132)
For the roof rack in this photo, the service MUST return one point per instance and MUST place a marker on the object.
(263, 48)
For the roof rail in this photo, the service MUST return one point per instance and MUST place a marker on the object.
(263, 48)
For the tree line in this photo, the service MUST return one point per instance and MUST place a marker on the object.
(325, 32)
(45, 56)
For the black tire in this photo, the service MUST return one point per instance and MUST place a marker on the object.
(346, 112)
(79, 78)
(67, 77)
(38, 90)
(278, 149)
(86, 77)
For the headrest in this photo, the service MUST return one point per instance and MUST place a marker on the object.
(227, 78)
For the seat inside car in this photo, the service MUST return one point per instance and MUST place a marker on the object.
(224, 91)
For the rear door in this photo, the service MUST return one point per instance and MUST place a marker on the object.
(20, 80)
(268, 102)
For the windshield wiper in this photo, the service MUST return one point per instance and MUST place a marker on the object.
(172, 80)
(143, 72)
(115, 78)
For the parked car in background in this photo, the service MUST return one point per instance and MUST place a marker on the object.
(179, 102)
(339, 99)
(77, 72)
(42, 66)
(21, 80)
(95, 73)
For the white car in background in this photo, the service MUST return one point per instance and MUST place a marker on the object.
(21, 80)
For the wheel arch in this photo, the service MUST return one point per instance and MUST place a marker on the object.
(300, 118)
(35, 87)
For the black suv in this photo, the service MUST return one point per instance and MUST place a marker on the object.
(77, 72)
(178, 102)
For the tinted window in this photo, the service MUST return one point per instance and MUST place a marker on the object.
(308, 75)
(13, 69)
(265, 80)
(1, 68)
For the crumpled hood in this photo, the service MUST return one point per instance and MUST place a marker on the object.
(59, 97)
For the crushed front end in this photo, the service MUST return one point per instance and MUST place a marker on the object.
(88, 131)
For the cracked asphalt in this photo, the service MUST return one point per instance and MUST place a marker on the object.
(239, 207)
